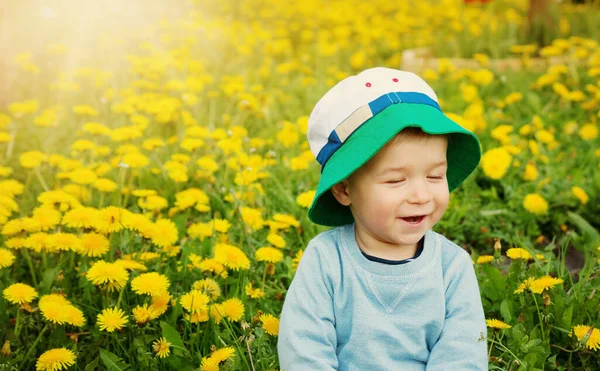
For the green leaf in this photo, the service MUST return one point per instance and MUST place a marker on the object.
(48, 277)
(530, 344)
(505, 311)
(172, 336)
(567, 317)
(92, 365)
(584, 226)
(112, 361)
(497, 281)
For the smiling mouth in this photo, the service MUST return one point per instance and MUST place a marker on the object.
(414, 219)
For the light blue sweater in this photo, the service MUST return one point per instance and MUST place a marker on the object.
(345, 312)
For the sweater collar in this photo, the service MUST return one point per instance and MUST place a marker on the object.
(431, 248)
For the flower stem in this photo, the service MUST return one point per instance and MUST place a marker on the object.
(540, 317)
(40, 178)
(26, 358)
(18, 324)
(31, 270)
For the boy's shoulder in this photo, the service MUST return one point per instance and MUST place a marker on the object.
(452, 254)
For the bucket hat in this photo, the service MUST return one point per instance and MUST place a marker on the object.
(360, 114)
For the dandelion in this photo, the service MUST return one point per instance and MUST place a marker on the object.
(222, 354)
(108, 275)
(592, 334)
(19, 293)
(496, 162)
(195, 301)
(143, 314)
(254, 293)
(580, 194)
(535, 204)
(233, 309)
(496, 323)
(231, 257)
(518, 253)
(81, 217)
(160, 304)
(94, 245)
(524, 285)
(269, 254)
(270, 324)
(276, 240)
(305, 199)
(55, 359)
(544, 283)
(165, 233)
(483, 259)
(111, 319)
(153, 284)
(161, 347)
(7, 258)
(209, 286)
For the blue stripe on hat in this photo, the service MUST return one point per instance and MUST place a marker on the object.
(334, 142)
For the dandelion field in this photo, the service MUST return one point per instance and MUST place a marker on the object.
(154, 189)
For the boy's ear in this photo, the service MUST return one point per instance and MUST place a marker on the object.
(340, 192)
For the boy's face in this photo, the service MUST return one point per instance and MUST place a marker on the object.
(406, 178)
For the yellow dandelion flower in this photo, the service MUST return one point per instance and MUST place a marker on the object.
(276, 240)
(109, 275)
(195, 301)
(81, 217)
(110, 219)
(19, 293)
(160, 304)
(270, 324)
(518, 253)
(231, 257)
(63, 242)
(222, 354)
(535, 204)
(496, 162)
(305, 199)
(544, 283)
(7, 258)
(94, 245)
(143, 314)
(269, 254)
(580, 194)
(209, 286)
(524, 285)
(55, 359)
(254, 293)
(111, 319)
(483, 259)
(590, 335)
(161, 347)
(131, 265)
(496, 323)
(209, 364)
(164, 233)
(153, 284)
(233, 309)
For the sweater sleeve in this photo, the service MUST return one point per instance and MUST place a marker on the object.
(307, 337)
(462, 344)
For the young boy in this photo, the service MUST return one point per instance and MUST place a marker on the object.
(382, 291)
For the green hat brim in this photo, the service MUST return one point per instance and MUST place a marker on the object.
(463, 154)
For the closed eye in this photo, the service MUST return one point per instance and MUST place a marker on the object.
(395, 181)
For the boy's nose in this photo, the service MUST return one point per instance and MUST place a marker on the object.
(419, 194)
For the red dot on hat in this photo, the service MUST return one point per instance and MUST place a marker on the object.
(368, 85)
(395, 79)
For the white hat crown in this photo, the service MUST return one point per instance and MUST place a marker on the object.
(354, 100)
